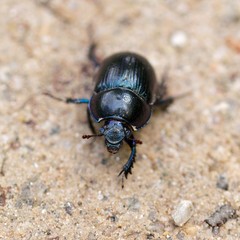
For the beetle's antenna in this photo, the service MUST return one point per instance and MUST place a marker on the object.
(93, 135)
(137, 141)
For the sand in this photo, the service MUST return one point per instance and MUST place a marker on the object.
(54, 184)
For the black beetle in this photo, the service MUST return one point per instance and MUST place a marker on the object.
(125, 92)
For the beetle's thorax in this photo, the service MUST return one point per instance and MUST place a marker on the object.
(114, 132)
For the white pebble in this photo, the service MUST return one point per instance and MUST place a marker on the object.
(100, 196)
(178, 39)
(183, 212)
(221, 107)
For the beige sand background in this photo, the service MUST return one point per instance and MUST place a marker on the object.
(55, 185)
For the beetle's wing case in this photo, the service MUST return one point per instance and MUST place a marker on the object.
(128, 70)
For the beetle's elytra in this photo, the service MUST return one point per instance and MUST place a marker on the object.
(125, 92)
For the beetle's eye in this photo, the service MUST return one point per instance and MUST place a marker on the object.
(127, 132)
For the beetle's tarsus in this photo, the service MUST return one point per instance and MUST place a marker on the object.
(127, 168)
(54, 97)
(92, 56)
(67, 100)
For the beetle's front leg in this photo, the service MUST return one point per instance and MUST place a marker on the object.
(75, 101)
(67, 100)
(127, 168)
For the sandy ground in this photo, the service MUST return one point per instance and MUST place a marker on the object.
(54, 184)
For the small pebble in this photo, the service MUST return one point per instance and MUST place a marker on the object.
(68, 206)
(183, 212)
(178, 39)
(133, 204)
(150, 236)
(180, 235)
(55, 130)
(112, 218)
(222, 183)
(2, 197)
(220, 217)
(100, 196)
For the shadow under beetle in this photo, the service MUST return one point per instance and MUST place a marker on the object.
(125, 92)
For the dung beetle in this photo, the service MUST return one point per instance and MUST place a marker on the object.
(125, 92)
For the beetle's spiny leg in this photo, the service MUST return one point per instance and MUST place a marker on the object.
(127, 168)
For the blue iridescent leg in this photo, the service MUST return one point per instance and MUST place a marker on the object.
(68, 100)
(77, 100)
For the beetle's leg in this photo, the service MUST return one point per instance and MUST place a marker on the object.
(127, 168)
(90, 123)
(166, 102)
(68, 100)
(162, 87)
(92, 55)
(163, 101)
(76, 100)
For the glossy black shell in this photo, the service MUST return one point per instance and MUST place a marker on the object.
(125, 90)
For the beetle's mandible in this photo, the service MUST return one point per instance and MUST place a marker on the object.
(125, 92)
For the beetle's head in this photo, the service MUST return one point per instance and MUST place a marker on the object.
(114, 133)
